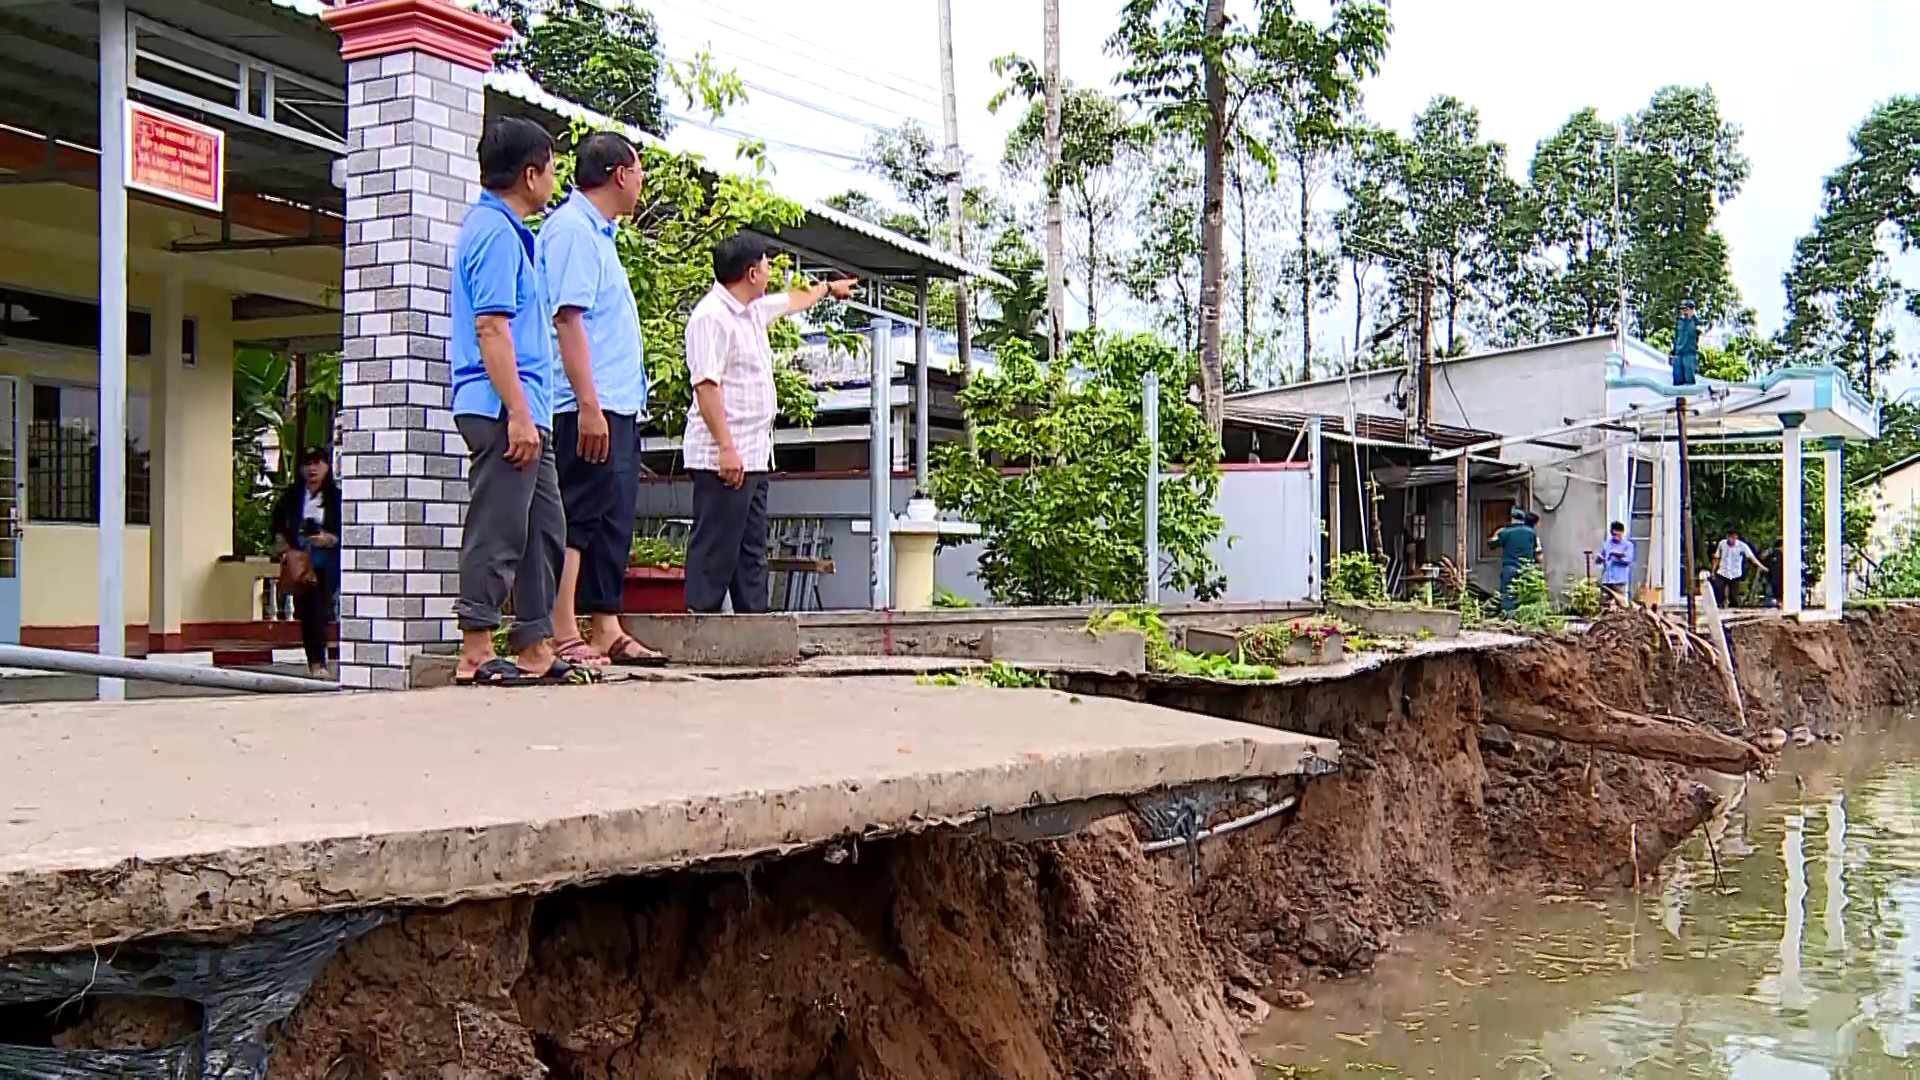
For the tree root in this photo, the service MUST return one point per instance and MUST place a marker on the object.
(1582, 719)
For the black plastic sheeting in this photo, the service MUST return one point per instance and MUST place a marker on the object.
(243, 988)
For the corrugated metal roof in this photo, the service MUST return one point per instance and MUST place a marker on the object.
(1388, 429)
(521, 87)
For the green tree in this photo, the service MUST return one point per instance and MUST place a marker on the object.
(263, 403)
(1066, 524)
(667, 248)
(1313, 115)
(1096, 142)
(1163, 270)
(1572, 183)
(1197, 70)
(1682, 162)
(1457, 192)
(1373, 234)
(1842, 293)
(1448, 206)
(1020, 309)
(606, 58)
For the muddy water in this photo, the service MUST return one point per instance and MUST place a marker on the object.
(1802, 961)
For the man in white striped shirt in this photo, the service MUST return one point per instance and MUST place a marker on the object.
(729, 439)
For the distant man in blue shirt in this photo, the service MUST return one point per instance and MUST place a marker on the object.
(503, 405)
(1616, 563)
(599, 397)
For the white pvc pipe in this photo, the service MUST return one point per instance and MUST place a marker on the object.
(113, 337)
(880, 464)
(1150, 414)
(117, 668)
(1221, 829)
(1792, 587)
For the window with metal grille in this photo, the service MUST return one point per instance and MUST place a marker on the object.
(63, 456)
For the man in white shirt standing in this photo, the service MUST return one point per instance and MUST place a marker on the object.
(1729, 566)
(729, 438)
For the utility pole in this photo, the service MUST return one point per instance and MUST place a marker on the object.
(956, 195)
(1686, 516)
(1056, 214)
(1424, 377)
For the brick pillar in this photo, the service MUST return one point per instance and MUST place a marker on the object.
(415, 106)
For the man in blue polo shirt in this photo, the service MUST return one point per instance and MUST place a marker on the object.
(503, 406)
(599, 397)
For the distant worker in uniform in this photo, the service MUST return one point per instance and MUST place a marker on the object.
(1730, 566)
(1686, 346)
(1519, 548)
(1616, 563)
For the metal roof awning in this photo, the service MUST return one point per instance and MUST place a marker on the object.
(826, 235)
(1478, 473)
(1382, 430)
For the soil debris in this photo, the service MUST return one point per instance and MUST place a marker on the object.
(946, 956)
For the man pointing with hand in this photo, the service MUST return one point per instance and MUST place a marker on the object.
(729, 437)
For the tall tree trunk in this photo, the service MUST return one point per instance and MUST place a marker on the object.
(1093, 267)
(956, 199)
(1453, 301)
(1306, 271)
(1213, 222)
(1359, 310)
(1246, 283)
(1056, 215)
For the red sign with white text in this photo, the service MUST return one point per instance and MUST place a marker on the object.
(177, 158)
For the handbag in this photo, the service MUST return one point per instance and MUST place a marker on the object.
(296, 572)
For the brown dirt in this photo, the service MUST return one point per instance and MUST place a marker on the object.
(943, 956)
(934, 957)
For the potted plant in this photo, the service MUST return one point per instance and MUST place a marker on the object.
(656, 582)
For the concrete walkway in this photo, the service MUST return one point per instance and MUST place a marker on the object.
(165, 816)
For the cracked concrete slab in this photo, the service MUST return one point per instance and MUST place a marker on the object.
(144, 818)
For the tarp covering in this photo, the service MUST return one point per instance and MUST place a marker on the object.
(242, 988)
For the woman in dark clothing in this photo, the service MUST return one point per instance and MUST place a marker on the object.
(307, 518)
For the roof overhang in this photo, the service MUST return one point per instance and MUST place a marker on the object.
(1818, 399)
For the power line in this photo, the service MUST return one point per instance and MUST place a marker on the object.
(837, 92)
(815, 50)
(737, 133)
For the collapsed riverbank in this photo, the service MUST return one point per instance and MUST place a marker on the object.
(948, 955)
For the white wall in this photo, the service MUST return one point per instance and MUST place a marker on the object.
(1267, 547)
(1515, 392)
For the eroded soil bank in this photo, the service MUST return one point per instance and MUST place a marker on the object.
(945, 956)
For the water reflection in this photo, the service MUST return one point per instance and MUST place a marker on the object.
(1798, 958)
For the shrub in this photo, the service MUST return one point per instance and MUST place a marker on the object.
(1357, 578)
(1583, 598)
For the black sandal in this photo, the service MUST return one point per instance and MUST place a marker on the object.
(501, 672)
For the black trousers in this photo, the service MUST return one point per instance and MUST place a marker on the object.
(727, 556)
(314, 609)
(515, 536)
(600, 499)
(1727, 590)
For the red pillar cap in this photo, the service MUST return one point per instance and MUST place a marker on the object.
(381, 27)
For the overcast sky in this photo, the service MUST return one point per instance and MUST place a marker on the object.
(1797, 77)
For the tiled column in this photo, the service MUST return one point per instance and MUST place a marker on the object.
(415, 107)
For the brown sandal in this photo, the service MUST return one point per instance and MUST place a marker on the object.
(621, 654)
(580, 654)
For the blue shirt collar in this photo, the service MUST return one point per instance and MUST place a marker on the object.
(494, 202)
(593, 215)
